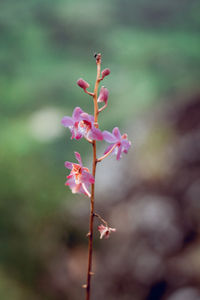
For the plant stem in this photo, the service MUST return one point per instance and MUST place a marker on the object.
(90, 246)
(108, 153)
(100, 218)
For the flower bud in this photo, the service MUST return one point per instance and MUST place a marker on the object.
(105, 73)
(83, 84)
(103, 95)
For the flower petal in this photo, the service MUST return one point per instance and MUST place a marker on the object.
(119, 152)
(76, 188)
(78, 157)
(109, 137)
(76, 113)
(68, 165)
(87, 177)
(87, 117)
(67, 121)
(70, 181)
(116, 133)
(112, 229)
(126, 144)
(96, 134)
(76, 135)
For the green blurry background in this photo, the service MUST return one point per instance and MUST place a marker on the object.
(153, 51)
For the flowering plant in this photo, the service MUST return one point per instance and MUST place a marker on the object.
(80, 180)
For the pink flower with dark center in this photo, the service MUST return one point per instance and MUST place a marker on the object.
(105, 231)
(83, 84)
(105, 73)
(82, 125)
(103, 95)
(79, 179)
(119, 143)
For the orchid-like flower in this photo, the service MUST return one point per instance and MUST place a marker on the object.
(79, 179)
(105, 231)
(82, 125)
(119, 143)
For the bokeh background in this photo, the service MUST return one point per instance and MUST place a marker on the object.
(152, 196)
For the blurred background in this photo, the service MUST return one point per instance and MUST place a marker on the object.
(151, 196)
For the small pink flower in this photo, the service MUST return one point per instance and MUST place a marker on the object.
(119, 143)
(105, 73)
(103, 95)
(82, 125)
(105, 231)
(83, 84)
(79, 179)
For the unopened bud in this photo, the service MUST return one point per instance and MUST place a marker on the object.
(105, 73)
(83, 84)
(103, 95)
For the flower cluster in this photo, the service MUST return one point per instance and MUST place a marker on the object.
(84, 125)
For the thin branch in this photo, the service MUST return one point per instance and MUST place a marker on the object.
(102, 108)
(108, 153)
(89, 93)
(100, 218)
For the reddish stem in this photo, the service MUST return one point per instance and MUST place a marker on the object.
(89, 93)
(100, 218)
(90, 235)
(108, 153)
(102, 108)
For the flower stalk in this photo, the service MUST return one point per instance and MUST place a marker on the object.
(107, 154)
(80, 180)
(90, 246)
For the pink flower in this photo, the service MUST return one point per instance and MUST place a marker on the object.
(105, 73)
(82, 125)
(105, 231)
(103, 95)
(83, 84)
(79, 179)
(119, 143)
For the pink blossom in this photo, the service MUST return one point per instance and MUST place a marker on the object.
(79, 179)
(103, 95)
(105, 73)
(83, 84)
(82, 125)
(119, 143)
(105, 231)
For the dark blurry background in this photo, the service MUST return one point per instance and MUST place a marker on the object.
(151, 196)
